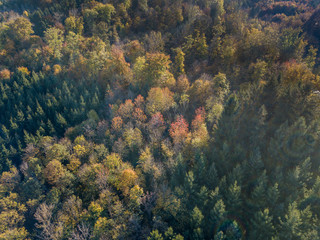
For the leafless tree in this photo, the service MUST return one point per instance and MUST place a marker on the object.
(49, 230)
(73, 207)
(102, 178)
(148, 202)
(82, 232)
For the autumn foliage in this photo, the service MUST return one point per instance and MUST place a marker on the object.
(179, 130)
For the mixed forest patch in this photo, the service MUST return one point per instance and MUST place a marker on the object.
(159, 119)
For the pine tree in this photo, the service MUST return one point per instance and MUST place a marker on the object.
(233, 198)
(200, 169)
(155, 235)
(261, 226)
(62, 123)
(259, 192)
(212, 179)
(5, 134)
(216, 216)
(179, 62)
(196, 224)
(200, 45)
(290, 225)
(13, 124)
(50, 128)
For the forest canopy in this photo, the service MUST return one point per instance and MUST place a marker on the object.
(159, 119)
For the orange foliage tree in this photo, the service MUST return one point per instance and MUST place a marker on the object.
(179, 130)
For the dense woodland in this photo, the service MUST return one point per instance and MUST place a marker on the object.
(159, 119)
